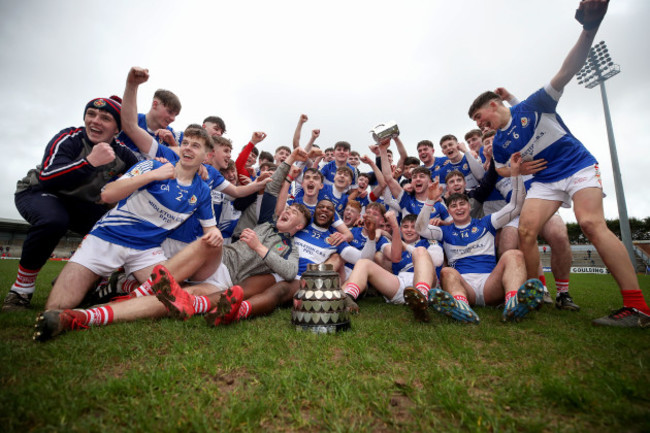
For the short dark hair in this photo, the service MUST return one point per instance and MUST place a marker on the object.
(329, 149)
(421, 169)
(457, 196)
(216, 120)
(347, 170)
(448, 137)
(488, 134)
(168, 99)
(472, 133)
(354, 152)
(282, 148)
(304, 211)
(454, 173)
(411, 160)
(344, 144)
(427, 143)
(410, 218)
(266, 165)
(314, 170)
(267, 156)
(481, 100)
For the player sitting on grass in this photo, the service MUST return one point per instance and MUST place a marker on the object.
(414, 261)
(474, 276)
(266, 249)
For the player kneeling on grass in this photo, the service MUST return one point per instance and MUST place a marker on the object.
(474, 277)
(414, 261)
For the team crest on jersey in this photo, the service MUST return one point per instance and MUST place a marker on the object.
(329, 240)
(99, 103)
(465, 167)
(474, 230)
(193, 199)
(136, 172)
(524, 122)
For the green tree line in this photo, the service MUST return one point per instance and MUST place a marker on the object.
(640, 230)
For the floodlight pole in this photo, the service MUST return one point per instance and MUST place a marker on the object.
(598, 68)
(624, 223)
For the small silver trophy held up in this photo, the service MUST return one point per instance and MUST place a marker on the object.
(385, 131)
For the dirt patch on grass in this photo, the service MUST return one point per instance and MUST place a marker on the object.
(229, 381)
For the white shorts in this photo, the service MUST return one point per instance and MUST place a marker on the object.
(221, 278)
(103, 257)
(405, 280)
(477, 282)
(172, 246)
(513, 223)
(563, 190)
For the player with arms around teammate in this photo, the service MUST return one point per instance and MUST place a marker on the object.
(153, 199)
(63, 192)
(534, 128)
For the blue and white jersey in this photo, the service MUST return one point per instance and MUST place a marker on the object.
(329, 171)
(410, 205)
(145, 218)
(191, 229)
(438, 162)
(406, 262)
(537, 131)
(321, 196)
(471, 249)
(142, 122)
(463, 167)
(359, 241)
(314, 246)
(226, 214)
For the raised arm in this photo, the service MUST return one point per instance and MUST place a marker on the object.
(590, 13)
(381, 181)
(139, 136)
(396, 241)
(434, 192)
(402, 153)
(513, 208)
(391, 182)
(240, 162)
(296, 135)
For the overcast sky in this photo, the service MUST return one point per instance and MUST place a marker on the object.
(349, 65)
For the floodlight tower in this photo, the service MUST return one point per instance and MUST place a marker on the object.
(598, 68)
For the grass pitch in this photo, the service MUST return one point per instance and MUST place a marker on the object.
(552, 372)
